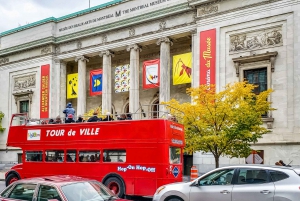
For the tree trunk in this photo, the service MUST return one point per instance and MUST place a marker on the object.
(217, 161)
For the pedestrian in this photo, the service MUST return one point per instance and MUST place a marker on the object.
(282, 163)
(108, 117)
(80, 119)
(69, 119)
(69, 110)
(94, 118)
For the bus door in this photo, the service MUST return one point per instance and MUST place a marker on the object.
(175, 160)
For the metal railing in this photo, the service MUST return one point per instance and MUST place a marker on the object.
(153, 111)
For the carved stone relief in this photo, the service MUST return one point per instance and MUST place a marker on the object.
(4, 60)
(24, 82)
(162, 25)
(57, 49)
(104, 38)
(209, 9)
(46, 50)
(131, 32)
(256, 40)
(79, 45)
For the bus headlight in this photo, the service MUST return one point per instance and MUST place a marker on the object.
(160, 189)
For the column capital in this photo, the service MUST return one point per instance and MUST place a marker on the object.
(107, 53)
(193, 31)
(59, 61)
(136, 47)
(81, 58)
(164, 40)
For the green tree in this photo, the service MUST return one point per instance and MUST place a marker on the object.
(1, 117)
(223, 123)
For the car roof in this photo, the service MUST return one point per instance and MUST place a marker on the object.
(261, 166)
(58, 180)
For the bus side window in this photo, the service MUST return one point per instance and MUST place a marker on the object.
(113, 155)
(89, 156)
(71, 156)
(54, 156)
(34, 155)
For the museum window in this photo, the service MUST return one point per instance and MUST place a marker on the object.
(257, 69)
(24, 106)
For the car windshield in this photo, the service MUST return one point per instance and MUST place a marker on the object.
(87, 191)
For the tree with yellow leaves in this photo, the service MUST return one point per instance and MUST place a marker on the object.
(223, 123)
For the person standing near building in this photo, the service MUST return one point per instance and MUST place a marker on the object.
(69, 110)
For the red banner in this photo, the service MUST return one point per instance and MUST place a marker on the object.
(45, 79)
(151, 73)
(208, 57)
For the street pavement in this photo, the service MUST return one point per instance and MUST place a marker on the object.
(2, 185)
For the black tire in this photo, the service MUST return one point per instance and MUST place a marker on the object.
(11, 178)
(115, 184)
(173, 198)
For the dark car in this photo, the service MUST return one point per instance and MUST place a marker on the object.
(58, 188)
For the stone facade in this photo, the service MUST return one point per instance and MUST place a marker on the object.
(255, 34)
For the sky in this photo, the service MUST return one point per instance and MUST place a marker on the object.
(15, 13)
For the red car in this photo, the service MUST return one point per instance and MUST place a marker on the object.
(58, 188)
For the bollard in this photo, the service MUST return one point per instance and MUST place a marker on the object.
(194, 173)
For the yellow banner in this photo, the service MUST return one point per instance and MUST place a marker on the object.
(182, 68)
(72, 85)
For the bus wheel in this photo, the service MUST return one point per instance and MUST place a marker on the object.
(11, 178)
(116, 186)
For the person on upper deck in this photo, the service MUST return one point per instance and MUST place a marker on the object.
(108, 117)
(80, 119)
(94, 118)
(128, 116)
(70, 119)
(69, 110)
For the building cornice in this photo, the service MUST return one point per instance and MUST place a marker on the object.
(100, 29)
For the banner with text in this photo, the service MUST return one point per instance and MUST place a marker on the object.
(96, 82)
(208, 57)
(72, 85)
(151, 74)
(45, 79)
(182, 68)
(122, 78)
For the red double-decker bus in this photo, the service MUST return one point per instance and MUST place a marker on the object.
(131, 157)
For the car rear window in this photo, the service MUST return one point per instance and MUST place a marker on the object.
(278, 176)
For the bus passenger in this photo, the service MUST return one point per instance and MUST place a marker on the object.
(69, 159)
(80, 119)
(51, 121)
(122, 117)
(69, 119)
(108, 117)
(59, 159)
(92, 158)
(94, 118)
(128, 117)
(69, 110)
(57, 120)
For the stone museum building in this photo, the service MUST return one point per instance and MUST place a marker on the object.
(129, 56)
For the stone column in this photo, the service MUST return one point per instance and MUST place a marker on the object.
(81, 96)
(134, 98)
(164, 81)
(106, 81)
(195, 67)
(62, 102)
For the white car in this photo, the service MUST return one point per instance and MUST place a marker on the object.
(237, 183)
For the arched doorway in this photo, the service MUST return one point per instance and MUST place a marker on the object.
(155, 109)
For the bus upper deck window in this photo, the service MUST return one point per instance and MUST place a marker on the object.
(174, 154)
